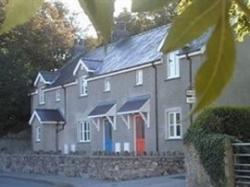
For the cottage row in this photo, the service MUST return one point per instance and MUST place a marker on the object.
(125, 96)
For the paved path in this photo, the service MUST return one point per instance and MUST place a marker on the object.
(59, 181)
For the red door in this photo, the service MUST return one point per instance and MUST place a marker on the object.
(140, 135)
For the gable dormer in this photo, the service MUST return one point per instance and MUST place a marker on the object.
(45, 78)
(87, 67)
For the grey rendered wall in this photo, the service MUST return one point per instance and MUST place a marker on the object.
(50, 103)
(172, 92)
(237, 92)
(172, 95)
(48, 137)
(122, 87)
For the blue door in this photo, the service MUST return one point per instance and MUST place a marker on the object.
(108, 136)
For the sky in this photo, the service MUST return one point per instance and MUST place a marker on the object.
(81, 18)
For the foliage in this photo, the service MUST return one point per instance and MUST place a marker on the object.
(210, 131)
(25, 8)
(101, 15)
(143, 21)
(234, 121)
(43, 43)
(211, 151)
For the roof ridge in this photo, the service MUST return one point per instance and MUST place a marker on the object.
(132, 36)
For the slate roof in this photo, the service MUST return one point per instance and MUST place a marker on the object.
(132, 51)
(49, 115)
(134, 104)
(101, 109)
(49, 75)
(126, 53)
(65, 74)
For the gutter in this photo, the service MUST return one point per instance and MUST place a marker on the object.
(156, 106)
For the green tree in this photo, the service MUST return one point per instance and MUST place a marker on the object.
(45, 43)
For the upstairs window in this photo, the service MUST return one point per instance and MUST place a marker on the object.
(83, 86)
(173, 123)
(173, 66)
(84, 131)
(41, 96)
(139, 77)
(107, 85)
(38, 134)
(58, 95)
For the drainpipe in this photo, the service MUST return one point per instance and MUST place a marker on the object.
(65, 109)
(156, 106)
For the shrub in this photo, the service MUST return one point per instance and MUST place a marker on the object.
(209, 132)
(233, 121)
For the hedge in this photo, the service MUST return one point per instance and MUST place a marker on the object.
(233, 121)
(209, 132)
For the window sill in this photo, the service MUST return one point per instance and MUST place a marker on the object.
(106, 91)
(138, 85)
(172, 78)
(85, 95)
(174, 139)
(84, 142)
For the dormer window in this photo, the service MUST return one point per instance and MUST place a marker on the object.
(83, 86)
(139, 77)
(58, 95)
(41, 96)
(173, 66)
(107, 85)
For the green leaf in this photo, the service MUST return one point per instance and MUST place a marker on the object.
(218, 69)
(18, 12)
(192, 23)
(100, 13)
(148, 5)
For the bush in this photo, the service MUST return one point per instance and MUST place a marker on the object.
(233, 121)
(209, 132)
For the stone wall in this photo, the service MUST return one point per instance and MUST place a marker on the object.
(196, 174)
(102, 167)
(16, 143)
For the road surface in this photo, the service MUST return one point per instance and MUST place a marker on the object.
(12, 182)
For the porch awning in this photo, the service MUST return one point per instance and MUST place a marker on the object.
(134, 105)
(102, 110)
(47, 116)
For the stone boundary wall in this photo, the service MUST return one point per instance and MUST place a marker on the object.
(101, 167)
(15, 145)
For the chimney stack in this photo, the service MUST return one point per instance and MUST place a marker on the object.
(120, 31)
(79, 47)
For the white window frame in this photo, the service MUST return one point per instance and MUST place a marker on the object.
(83, 84)
(139, 77)
(41, 96)
(107, 85)
(85, 132)
(38, 134)
(58, 95)
(173, 111)
(173, 65)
